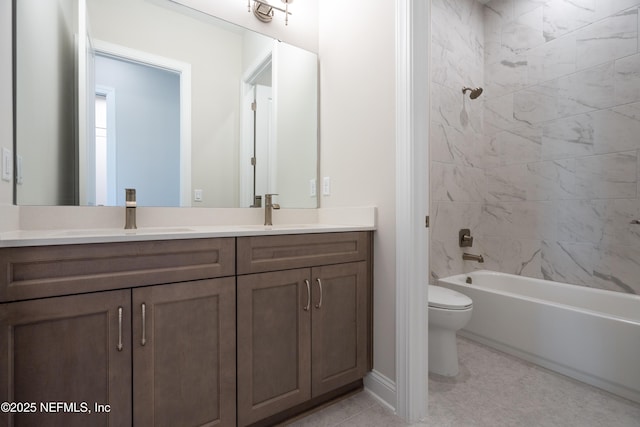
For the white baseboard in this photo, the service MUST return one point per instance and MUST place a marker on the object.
(382, 388)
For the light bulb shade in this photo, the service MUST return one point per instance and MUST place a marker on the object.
(265, 11)
(262, 11)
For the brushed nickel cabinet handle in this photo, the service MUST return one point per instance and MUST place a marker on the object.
(306, 307)
(119, 347)
(319, 304)
(143, 307)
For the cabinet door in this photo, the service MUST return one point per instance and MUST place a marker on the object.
(339, 325)
(66, 349)
(273, 343)
(184, 354)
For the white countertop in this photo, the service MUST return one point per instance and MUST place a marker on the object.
(70, 225)
(105, 235)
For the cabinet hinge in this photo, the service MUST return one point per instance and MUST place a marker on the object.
(253, 106)
(426, 221)
(253, 161)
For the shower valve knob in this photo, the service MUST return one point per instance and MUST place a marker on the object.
(464, 238)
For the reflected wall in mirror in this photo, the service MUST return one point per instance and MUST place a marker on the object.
(148, 94)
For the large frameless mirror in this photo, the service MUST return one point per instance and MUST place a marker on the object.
(149, 94)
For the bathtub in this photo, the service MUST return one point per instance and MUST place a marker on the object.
(591, 335)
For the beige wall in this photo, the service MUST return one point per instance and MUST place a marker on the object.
(296, 114)
(46, 42)
(254, 48)
(357, 133)
(6, 109)
(8, 213)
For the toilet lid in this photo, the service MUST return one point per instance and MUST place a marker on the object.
(440, 297)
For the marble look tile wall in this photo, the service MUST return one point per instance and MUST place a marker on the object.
(456, 132)
(552, 167)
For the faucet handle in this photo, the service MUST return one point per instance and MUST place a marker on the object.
(465, 240)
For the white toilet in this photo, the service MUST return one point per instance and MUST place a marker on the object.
(448, 311)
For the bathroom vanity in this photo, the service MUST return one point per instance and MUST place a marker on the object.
(241, 330)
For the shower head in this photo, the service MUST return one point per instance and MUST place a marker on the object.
(474, 92)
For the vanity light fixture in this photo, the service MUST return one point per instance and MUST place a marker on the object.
(264, 11)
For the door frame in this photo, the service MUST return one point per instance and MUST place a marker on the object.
(412, 205)
(183, 69)
(109, 93)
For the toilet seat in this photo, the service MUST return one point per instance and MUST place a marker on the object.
(448, 299)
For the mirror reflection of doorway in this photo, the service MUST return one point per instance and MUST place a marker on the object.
(147, 111)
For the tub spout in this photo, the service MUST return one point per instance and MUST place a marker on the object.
(471, 257)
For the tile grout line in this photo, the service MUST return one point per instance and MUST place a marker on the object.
(356, 414)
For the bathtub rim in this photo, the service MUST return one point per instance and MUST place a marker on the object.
(459, 280)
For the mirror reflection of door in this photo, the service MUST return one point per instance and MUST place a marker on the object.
(262, 148)
(258, 158)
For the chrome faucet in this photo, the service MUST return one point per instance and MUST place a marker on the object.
(471, 257)
(130, 209)
(268, 208)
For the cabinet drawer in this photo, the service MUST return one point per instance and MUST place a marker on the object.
(271, 253)
(36, 272)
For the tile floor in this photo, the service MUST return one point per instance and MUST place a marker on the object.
(493, 389)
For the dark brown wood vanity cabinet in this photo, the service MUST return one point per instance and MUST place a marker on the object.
(303, 319)
(158, 349)
(215, 332)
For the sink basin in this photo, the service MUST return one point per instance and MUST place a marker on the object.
(160, 230)
(119, 231)
(280, 226)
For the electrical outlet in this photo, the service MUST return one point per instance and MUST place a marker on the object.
(197, 195)
(312, 188)
(7, 165)
(326, 186)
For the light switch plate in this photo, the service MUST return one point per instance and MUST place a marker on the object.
(197, 195)
(312, 188)
(326, 186)
(7, 165)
